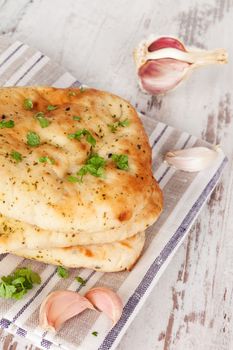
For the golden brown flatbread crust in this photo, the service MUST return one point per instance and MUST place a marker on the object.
(15, 234)
(109, 257)
(39, 193)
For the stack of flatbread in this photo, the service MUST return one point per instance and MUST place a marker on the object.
(76, 185)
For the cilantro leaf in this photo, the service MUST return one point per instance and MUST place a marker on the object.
(7, 124)
(83, 132)
(33, 139)
(62, 272)
(73, 179)
(28, 104)
(94, 333)
(6, 291)
(113, 127)
(82, 171)
(91, 139)
(75, 117)
(77, 135)
(19, 280)
(16, 156)
(96, 160)
(121, 161)
(19, 295)
(46, 160)
(44, 122)
(94, 165)
(35, 278)
(30, 276)
(80, 280)
(124, 123)
(17, 284)
(51, 107)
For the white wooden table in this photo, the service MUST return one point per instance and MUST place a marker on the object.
(191, 306)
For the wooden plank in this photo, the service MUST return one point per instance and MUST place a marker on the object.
(191, 307)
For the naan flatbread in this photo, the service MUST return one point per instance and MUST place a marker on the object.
(39, 193)
(15, 234)
(110, 257)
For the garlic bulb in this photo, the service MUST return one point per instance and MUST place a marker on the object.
(164, 62)
(192, 159)
(104, 299)
(60, 306)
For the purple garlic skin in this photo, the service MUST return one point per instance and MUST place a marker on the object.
(164, 63)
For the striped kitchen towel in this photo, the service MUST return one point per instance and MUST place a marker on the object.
(184, 195)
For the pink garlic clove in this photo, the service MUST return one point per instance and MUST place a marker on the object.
(104, 299)
(163, 63)
(60, 306)
(165, 42)
(192, 159)
(157, 77)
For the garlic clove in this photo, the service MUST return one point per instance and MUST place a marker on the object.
(166, 42)
(192, 159)
(163, 75)
(104, 299)
(163, 63)
(60, 306)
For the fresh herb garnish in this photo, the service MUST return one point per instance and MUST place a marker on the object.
(121, 161)
(33, 139)
(124, 123)
(7, 124)
(51, 108)
(80, 280)
(94, 165)
(73, 179)
(62, 272)
(28, 104)
(44, 122)
(17, 284)
(95, 333)
(46, 159)
(75, 117)
(84, 132)
(16, 156)
(113, 127)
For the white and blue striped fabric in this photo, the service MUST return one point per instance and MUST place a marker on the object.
(184, 195)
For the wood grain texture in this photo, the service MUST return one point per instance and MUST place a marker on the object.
(191, 306)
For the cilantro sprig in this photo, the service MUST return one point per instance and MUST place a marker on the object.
(18, 283)
(83, 132)
(121, 161)
(7, 124)
(76, 117)
(94, 165)
(73, 179)
(46, 159)
(62, 272)
(80, 280)
(51, 107)
(44, 122)
(16, 156)
(113, 127)
(33, 139)
(28, 104)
